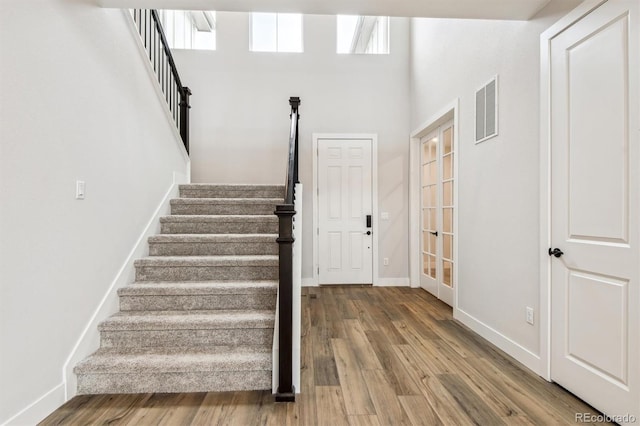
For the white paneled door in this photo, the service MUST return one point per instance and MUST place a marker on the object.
(437, 211)
(345, 231)
(595, 173)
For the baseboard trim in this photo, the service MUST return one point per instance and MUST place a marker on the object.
(523, 355)
(89, 340)
(309, 282)
(39, 409)
(380, 282)
(392, 282)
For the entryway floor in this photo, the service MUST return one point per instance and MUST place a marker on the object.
(370, 356)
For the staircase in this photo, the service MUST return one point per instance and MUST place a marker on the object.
(200, 315)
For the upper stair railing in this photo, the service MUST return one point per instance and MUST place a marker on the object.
(155, 43)
(285, 213)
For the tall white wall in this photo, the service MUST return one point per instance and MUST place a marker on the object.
(75, 103)
(498, 182)
(240, 115)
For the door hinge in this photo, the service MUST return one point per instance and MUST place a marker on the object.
(318, 270)
(318, 229)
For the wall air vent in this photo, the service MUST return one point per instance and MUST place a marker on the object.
(487, 111)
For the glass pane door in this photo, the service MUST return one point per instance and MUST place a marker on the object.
(437, 183)
(429, 206)
(447, 206)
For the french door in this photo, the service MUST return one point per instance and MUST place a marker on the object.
(437, 211)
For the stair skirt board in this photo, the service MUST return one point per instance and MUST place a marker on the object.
(200, 315)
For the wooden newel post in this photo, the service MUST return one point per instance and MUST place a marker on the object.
(285, 391)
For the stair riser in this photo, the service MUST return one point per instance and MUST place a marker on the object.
(219, 228)
(215, 209)
(211, 249)
(205, 273)
(232, 193)
(124, 339)
(176, 382)
(258, 301)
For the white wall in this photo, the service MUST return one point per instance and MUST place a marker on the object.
(75, 103)
(498, 179)
(240, 115)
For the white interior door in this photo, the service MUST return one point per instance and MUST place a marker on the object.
(345, 229)
(437, 212)
(595, 161)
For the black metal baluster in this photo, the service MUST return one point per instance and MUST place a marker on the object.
(149, 27)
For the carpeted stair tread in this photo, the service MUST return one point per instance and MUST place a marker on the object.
(181, 288)
(230, 186)
(224, 206)
(248, 201)
(195, 296)
(180, 350)
(247, 223)
(153, 361)
(224, 218)
(231, 191)
(213, 238)
(246, 260)
(188, 320)
(206, 244)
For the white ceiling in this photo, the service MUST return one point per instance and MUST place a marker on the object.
(476, 9)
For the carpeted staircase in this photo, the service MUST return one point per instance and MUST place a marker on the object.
(200, 314)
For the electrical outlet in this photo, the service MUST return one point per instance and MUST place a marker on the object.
(530, 315)
(79, 190)
(385, 261)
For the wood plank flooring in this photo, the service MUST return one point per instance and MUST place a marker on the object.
(370, 356)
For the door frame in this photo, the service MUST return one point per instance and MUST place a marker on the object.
(586, 7)
(447, 113)
(373, 137)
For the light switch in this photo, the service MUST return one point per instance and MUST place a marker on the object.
(384, 215)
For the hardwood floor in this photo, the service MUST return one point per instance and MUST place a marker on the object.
(370, 356)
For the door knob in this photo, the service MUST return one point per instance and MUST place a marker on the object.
(556, 252)
(434, 233)
(368, 232)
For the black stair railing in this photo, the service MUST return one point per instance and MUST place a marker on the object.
(285, 213)
(155, 43)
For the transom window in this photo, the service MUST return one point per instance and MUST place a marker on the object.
(363, 34)
(189, 29)
(276, 32)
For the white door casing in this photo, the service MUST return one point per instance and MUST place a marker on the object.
(594, 213)
(344, 200)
